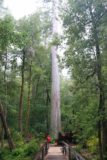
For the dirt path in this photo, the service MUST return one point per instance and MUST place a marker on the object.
(55, 153)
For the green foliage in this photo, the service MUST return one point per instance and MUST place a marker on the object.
(92, 144)
(6, 32)
(82, 22)
(32, 148)
(18, 139)
(29, 32)
(26, 151)
(16, 35)
(56, 40)
(53, 140)
(79, 93)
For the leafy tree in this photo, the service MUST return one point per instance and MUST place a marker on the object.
(85, 23)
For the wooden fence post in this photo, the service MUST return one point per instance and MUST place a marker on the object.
(43, 153)
(46, 148)
(69, 152)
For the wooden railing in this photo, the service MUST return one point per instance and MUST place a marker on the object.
(43, 151)
(70, 153)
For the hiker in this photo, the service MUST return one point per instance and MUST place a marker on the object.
(61, 138)
(48, 138)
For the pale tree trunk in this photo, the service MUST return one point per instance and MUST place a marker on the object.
(55, 99)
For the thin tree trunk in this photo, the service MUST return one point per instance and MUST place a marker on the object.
(104, 135)
(48, 110)
(2, 136)
(101, 108)
(101, 95)
(6, 129)
(28, 100)
(35, 88)
(55, 98)
(5, 89)
(20, 120)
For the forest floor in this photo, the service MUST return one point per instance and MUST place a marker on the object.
(88, 155)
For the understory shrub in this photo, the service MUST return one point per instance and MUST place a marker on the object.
(26, 151)
(92, 144)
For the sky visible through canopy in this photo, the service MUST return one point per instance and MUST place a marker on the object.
(20, 8)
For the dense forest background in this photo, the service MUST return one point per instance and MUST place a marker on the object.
(25, 78)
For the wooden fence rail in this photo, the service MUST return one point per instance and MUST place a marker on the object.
(42, 153)
(71, 153)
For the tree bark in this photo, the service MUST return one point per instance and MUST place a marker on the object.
(101, 108)
(6, 129)
(28, 99)
(48, 110)
(35, 88)
(104, 135)
(20, 118)
(55, 98)
(5, 89)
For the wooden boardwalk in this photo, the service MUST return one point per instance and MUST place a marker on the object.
(55, 153)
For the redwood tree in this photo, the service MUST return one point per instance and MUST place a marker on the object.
(55, 98)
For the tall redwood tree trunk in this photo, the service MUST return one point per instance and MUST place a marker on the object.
(55, 98)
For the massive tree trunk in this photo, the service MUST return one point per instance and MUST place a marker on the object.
(55, 99)
(6, 129)
(21, 95)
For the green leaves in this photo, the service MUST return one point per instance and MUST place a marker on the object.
(6, 32)
(83, 21)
